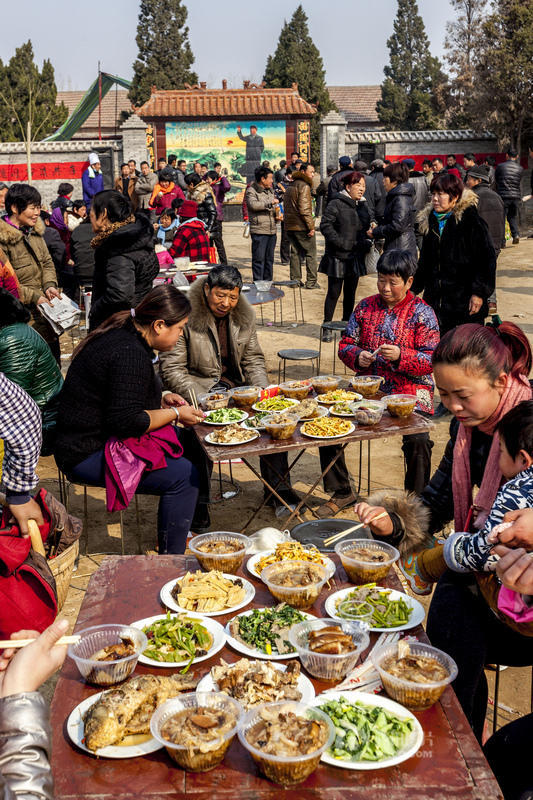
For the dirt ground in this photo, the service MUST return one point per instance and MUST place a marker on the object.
(515, 290)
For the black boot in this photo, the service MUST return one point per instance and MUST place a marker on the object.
(202, 520)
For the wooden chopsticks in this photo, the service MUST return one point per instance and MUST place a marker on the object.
(342, 534)
(6, 644)
(192, 395)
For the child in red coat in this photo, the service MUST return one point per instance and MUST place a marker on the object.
(393, 334)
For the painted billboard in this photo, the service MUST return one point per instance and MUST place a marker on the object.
(239, 146)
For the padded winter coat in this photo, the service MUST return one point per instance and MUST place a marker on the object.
(260, 209)
(340, 226)
(26, 746)
(490, 208)
(125, 265)
(195, 362)
(26, 359)
(508, 178)
(457, 264)
(298, 205)
(398, 220)
(30, 259)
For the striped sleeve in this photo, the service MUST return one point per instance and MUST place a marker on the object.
(21, 432)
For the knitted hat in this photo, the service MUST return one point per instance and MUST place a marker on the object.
(345, 161)
(188, 209)
(409, 162)
(482, 173)
(94, 158)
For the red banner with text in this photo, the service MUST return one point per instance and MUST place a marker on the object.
(58, 171)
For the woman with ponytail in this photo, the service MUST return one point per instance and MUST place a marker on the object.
(481, 374)
(111, 400)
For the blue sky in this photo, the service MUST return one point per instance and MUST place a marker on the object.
(230, 40)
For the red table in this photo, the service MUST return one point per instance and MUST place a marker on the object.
(450, 763)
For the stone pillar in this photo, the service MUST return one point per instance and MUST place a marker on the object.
(332, 140)
(134, 139)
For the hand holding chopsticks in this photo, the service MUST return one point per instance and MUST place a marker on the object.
(13, 644)
(32, 664)
(342, 534)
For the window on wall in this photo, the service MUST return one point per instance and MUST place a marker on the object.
(368, 152)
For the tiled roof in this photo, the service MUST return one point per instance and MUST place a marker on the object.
(356, 103)
(375, 137)
(111, 108)
(247, 102)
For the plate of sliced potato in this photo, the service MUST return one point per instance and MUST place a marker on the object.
(207, 593)
(327, 428)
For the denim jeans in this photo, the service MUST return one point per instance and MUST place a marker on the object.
(176, 485)
(263, 247)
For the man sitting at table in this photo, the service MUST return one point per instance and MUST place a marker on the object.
(191, 238)
(219, 349)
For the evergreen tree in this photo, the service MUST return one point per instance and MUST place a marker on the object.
(462, 40)
(504, 72)
(414, 92)
(298, 60)
(28, 98)
(165, 56)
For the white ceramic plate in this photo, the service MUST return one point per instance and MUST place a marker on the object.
(411, 746)
(252, 562)
(303, 684)
(323, 411)
(417, 617)
(242, 417)
(290, 403)
(337, 436)
(169, 601)
(76, 733)
(253, 435)
(254, 652)
(215, 629)
(353, 399)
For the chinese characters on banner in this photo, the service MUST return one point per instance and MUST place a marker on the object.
(150, 145)
(13, 173)
(303, 139)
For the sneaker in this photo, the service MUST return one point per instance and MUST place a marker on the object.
(516, 239)
(313, 286)
(408, 567)
(283, 511)
(326, 336)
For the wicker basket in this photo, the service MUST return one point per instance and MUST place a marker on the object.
(62, 567)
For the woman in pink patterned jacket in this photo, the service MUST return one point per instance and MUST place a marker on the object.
(8, 279)
(393, 334)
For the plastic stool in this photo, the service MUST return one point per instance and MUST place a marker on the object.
(297, 355)
(291, 285)
(336, 327)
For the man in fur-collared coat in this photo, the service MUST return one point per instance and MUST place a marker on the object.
(457, 263)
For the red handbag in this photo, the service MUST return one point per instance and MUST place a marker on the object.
(213, 258)
(28, 598)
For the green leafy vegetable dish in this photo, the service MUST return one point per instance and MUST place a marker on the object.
(365, 733)
(278, 403)
(387, 613)
(267, 629)
(177, 639)
(225, 415)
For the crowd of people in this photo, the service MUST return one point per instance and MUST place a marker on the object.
(129, 394)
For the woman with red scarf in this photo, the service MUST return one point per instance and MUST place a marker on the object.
(481, 373)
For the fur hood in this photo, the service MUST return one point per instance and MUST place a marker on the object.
(301, 176)
(414, 517)
(10, 235)
(199, 192)
(243, 315)
(468, 199)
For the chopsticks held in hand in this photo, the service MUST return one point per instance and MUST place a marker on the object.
(8, 644)
(342, 534)
(194, 401)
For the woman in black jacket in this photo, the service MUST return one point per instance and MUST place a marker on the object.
(125, 263)
(457, 264)
(399, 217)
(343, 226)
(112, 391)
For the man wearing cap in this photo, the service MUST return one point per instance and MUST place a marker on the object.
(191, 238)
(490, 207)
(336, 184)
(92, 180)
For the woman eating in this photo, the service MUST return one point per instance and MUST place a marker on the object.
(481, 373)
(393, 334)
(112, 396)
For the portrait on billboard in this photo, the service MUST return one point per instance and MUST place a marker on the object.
(240, 146)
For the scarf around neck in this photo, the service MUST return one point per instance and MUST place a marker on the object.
(517, 389)
(97, 240)
(442, 219)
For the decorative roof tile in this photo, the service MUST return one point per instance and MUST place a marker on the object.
(200, 102)
(356, 103)
(114, 102)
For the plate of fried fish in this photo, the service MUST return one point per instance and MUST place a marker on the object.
(116, 723)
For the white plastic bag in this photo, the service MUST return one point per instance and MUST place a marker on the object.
(371, 260)
(267, 539)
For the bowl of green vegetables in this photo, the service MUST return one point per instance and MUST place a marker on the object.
(392, 610)
(225, 416)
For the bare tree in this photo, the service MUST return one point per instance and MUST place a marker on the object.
(461, 43)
